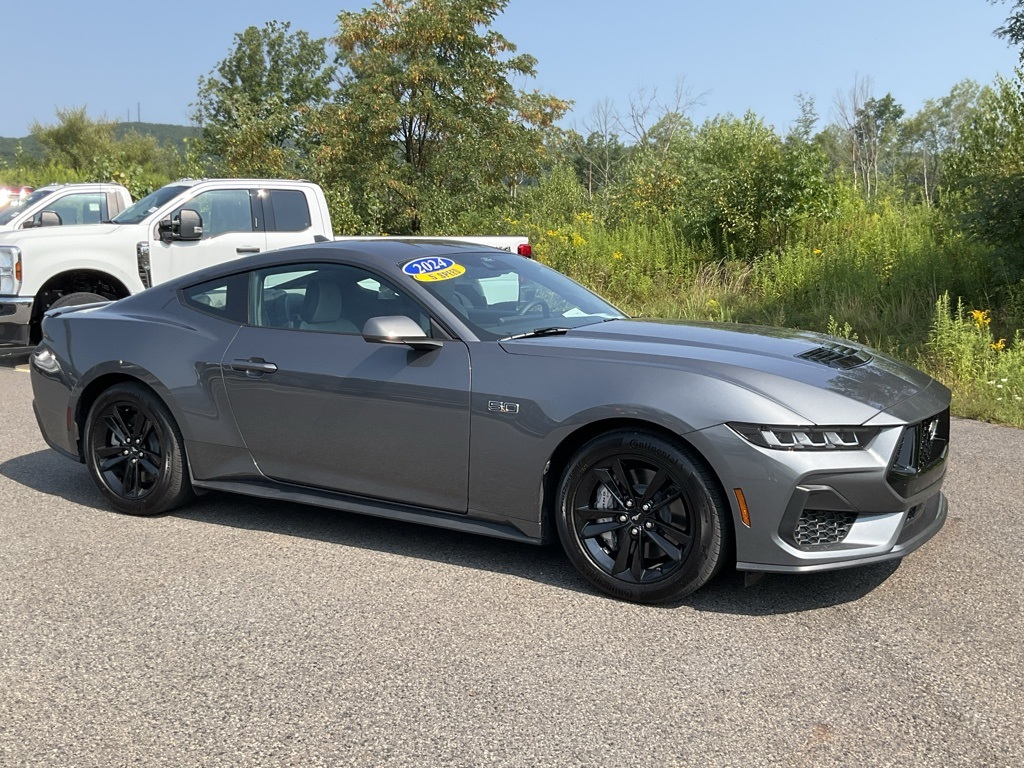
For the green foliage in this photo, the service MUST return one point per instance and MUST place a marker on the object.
(986, 373)
(78, 148)
(252, 106)
(76, 141)
(985, 177)
(427, 122)
(732, 187)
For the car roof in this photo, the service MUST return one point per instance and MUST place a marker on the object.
(386, 252)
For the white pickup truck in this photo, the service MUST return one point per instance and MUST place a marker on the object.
(66, 204)
(185, 226)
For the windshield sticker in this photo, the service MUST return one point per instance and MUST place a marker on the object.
(431, 268)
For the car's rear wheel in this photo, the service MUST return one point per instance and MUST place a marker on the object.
(641, 517)
(135, 452)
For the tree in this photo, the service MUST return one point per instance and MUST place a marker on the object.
(597, 157)
(252, 106)
(931, 136)
(872, 132)
(985, 176)
(427, 121)
(1013, 28)
(76, 141)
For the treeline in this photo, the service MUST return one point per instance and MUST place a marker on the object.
(408, 117)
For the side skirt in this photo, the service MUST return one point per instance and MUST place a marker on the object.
(363, 506)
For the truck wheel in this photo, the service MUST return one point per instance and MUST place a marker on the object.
(77, 299)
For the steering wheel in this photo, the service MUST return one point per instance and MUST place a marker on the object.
(530, 306)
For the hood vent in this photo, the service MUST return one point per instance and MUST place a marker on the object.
(836, 356)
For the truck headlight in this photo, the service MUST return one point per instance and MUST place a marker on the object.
(10, 270)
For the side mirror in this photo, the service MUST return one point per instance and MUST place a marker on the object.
(187, 225)
(398, 329)
(44, 219)
(50, 219)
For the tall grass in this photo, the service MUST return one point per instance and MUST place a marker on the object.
(877, 272)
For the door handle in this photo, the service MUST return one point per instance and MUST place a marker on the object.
(254, 366)
(247, 249)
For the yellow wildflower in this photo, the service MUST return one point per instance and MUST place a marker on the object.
(998, 346)
(617, 255)
(816, 251)
(981, 318)
(577, 240)
(552, 233)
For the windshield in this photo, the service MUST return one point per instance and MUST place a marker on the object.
(19, 204)
(151, 203)
(505, 295)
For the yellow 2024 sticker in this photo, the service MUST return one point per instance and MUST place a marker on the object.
(430, 268)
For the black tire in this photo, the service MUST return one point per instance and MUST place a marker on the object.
(641, 517)
(77, 299)
(135, 452)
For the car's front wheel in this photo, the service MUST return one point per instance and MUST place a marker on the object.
(641, 517)
(135, 452)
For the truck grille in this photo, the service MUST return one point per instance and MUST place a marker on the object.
(819, 528)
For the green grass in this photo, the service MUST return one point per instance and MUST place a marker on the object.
(882, 273)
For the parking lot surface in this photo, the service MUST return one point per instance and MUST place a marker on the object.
(241, 632)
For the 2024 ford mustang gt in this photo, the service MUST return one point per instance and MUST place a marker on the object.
(474, 389)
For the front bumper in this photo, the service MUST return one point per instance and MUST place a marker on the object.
(15, 321)
(824, 510)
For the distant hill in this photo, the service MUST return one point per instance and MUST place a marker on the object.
(173, 135)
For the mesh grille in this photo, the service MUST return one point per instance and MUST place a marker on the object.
(836, 356)
(922, 448)
(821, 528)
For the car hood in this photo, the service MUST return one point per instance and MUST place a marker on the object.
(76, 231)
(766, 361)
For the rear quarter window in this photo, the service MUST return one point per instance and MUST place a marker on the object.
(225, 297)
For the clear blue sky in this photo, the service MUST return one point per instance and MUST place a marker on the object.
(741, 54)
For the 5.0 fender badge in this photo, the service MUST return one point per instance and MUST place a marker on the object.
(499, 407)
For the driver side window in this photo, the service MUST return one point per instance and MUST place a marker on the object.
(330, 298)
(223, 210)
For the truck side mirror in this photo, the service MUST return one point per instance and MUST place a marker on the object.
(44, 219)
(187, 225)
(50, 219)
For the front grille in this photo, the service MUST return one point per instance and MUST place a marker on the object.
(921, 449)
(820, 528)
(836, 356)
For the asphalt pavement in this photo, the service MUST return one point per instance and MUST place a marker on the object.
(240, 632)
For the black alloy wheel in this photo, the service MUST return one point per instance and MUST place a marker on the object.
(135, 451)
(641, 517)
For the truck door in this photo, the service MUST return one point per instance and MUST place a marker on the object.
(229, 232)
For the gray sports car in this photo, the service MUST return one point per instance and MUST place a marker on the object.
(477, 390)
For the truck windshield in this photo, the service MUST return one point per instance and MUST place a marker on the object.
(151, 203)
(17, 205)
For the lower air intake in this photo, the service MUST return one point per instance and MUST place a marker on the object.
(819, 528)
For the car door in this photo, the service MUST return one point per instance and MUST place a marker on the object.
(229, 232)
(318, 405)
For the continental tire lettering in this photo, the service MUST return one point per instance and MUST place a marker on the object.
(637, 445)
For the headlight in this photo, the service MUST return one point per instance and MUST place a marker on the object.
(805, 438)
(10, 270)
